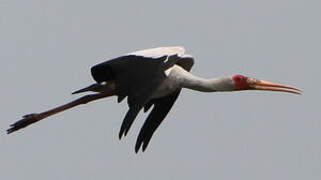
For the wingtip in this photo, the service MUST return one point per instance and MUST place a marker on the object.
(144, 147)
(137, 147)
(125, 133)
(140, 145)
(122, 133)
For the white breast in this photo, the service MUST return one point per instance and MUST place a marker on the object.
(170, 84)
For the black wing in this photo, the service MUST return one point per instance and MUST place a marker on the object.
(136, 77)
(161, 108)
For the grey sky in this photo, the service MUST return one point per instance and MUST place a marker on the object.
(47, 48)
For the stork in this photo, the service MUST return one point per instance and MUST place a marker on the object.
(151, 77)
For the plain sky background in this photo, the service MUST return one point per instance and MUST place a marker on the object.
(48, 47)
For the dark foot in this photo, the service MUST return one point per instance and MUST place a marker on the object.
(27, 120)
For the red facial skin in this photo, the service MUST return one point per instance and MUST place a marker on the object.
(240, 82)
(245, 83)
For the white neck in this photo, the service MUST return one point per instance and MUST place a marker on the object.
(190, 81)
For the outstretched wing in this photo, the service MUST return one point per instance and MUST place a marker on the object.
(160, 110)
(137, 75)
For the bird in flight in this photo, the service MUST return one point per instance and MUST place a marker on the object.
(151, 78)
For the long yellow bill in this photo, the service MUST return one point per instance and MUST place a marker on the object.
(269, 86)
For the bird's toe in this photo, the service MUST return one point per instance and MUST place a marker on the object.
(27, 120)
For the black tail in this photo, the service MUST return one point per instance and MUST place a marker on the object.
(94, 87)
